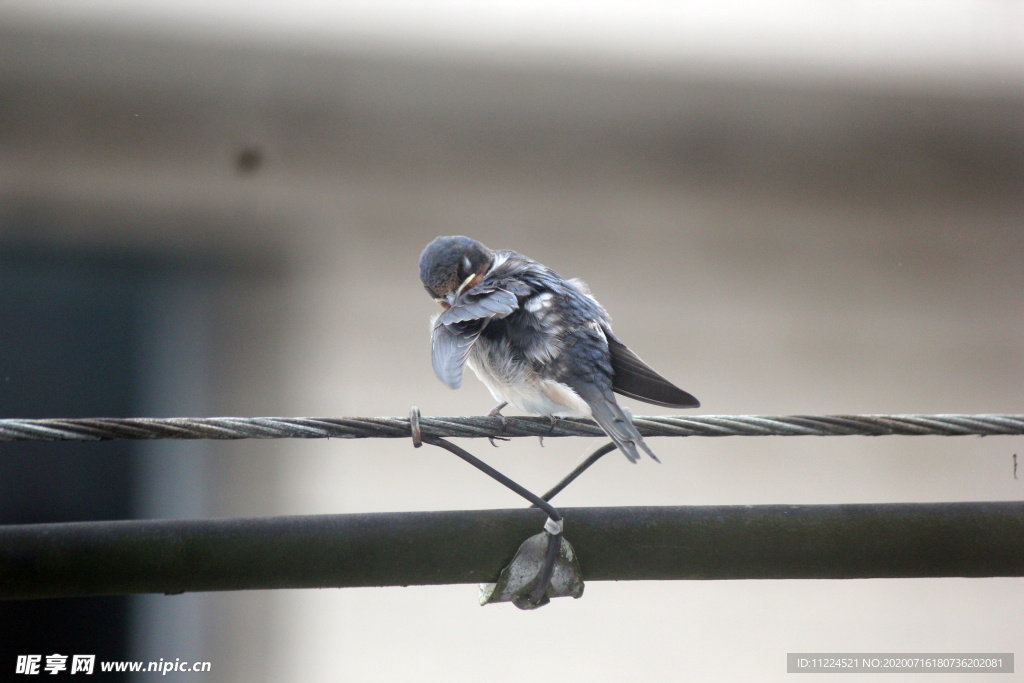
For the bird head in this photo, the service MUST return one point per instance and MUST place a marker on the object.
(451, 265)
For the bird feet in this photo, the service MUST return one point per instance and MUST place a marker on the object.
(553, 420)
(496, 412)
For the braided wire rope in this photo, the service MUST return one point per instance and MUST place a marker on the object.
(101, 429)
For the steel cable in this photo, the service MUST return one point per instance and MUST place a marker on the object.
(101, 429)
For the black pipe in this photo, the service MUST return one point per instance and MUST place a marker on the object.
(420, 548)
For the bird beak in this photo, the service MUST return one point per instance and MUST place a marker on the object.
(464, 284)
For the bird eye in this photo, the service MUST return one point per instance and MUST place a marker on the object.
(466, 265)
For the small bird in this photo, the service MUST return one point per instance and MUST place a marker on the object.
(538, 342)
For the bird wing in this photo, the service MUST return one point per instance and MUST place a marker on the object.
(457, 329)
(450, 346)
(634, 378)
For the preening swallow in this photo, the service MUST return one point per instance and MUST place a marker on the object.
(538, 342)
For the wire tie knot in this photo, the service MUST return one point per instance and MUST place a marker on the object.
(414, 427)
(554, 527)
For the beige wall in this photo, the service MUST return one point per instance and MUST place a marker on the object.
(862, 258)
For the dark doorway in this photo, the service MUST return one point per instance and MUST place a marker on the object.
(69, 341)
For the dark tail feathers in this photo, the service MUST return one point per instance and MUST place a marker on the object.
(619, 428)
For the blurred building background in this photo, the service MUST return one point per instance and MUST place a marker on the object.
(216, 208)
